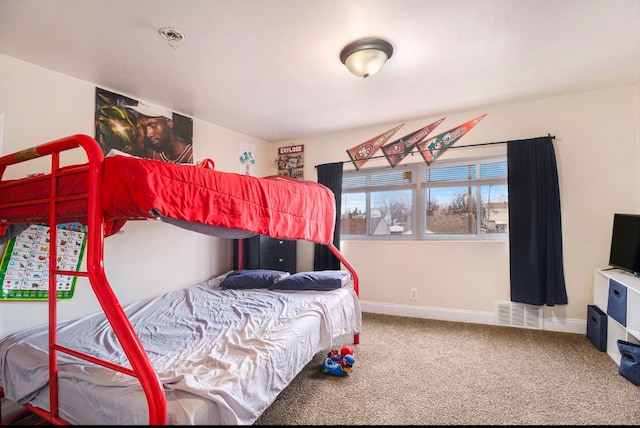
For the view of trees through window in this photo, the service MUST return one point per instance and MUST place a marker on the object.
(465, 199)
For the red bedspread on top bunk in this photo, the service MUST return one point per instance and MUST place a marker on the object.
(135, 188)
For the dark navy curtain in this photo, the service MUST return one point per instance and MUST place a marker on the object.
(330, 175)
(535, 227)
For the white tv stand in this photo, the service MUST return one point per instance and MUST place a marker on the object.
(615, 331)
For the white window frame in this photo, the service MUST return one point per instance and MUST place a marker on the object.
(418, 185)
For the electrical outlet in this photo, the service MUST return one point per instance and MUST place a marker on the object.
(413, 294)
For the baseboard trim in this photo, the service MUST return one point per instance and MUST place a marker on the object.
(459, 315)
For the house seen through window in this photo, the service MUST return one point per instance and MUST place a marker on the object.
(462, 199)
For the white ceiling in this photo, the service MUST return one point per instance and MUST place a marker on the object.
(271, 68)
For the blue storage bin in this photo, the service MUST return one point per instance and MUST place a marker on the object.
(617, 303)
(597, 327)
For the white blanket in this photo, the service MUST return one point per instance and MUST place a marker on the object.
(223, 355)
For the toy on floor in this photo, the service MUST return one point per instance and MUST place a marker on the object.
(338, 363)
(334, 354)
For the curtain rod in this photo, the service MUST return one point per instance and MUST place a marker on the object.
(553, 137)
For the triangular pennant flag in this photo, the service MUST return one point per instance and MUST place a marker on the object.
(399, 149)
(432, 148)
(363, 151)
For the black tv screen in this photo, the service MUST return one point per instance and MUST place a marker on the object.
(625, 243)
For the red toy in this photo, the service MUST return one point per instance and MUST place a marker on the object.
(339, 356)
(346, 350)
(334, 355)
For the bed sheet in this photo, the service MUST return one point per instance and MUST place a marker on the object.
(223, 356)
(195, 197)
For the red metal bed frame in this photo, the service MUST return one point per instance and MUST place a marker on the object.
(141, 367)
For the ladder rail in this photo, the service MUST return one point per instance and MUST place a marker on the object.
(141, 366)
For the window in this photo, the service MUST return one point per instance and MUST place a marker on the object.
(463, 199)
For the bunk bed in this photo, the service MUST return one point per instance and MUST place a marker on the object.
(127, 375)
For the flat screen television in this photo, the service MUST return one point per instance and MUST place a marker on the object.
(625, 243)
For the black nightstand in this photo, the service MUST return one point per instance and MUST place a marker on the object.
(261, 252)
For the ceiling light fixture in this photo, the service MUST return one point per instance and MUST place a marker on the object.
(173, 36)
(366, 57)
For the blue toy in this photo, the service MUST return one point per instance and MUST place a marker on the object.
(338, 368)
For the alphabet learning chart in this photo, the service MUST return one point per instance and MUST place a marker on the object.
(25, 263)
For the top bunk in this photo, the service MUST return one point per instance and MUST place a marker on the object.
(196, 197)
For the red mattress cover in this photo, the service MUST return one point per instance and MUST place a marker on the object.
(135, 188)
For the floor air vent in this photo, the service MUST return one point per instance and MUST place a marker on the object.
(518, 315)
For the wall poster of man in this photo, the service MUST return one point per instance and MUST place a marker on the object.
(291, 161)
(141, 129)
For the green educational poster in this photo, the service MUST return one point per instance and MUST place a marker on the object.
(25, 262)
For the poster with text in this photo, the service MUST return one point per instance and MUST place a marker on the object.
(25, 262)
(291, 161)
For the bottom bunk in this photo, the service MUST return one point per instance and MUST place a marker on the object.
(223, 355)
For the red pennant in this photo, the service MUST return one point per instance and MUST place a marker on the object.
(361, 153)
(399, 149)
(432, 148)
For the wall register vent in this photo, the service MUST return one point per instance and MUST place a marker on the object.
(518, 315)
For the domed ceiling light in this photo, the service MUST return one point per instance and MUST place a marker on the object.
(366, 57)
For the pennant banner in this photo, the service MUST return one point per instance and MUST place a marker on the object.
(399, 149)
(361, 153)
(432, 148)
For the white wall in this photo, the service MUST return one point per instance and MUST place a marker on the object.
(150, 257)
(597, 149)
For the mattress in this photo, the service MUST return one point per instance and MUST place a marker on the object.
(222, 355)
(195, 197)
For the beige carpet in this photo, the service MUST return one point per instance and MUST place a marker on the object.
(412, 371)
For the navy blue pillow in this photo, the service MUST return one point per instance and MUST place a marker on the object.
(315, 280)
(251, 278)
